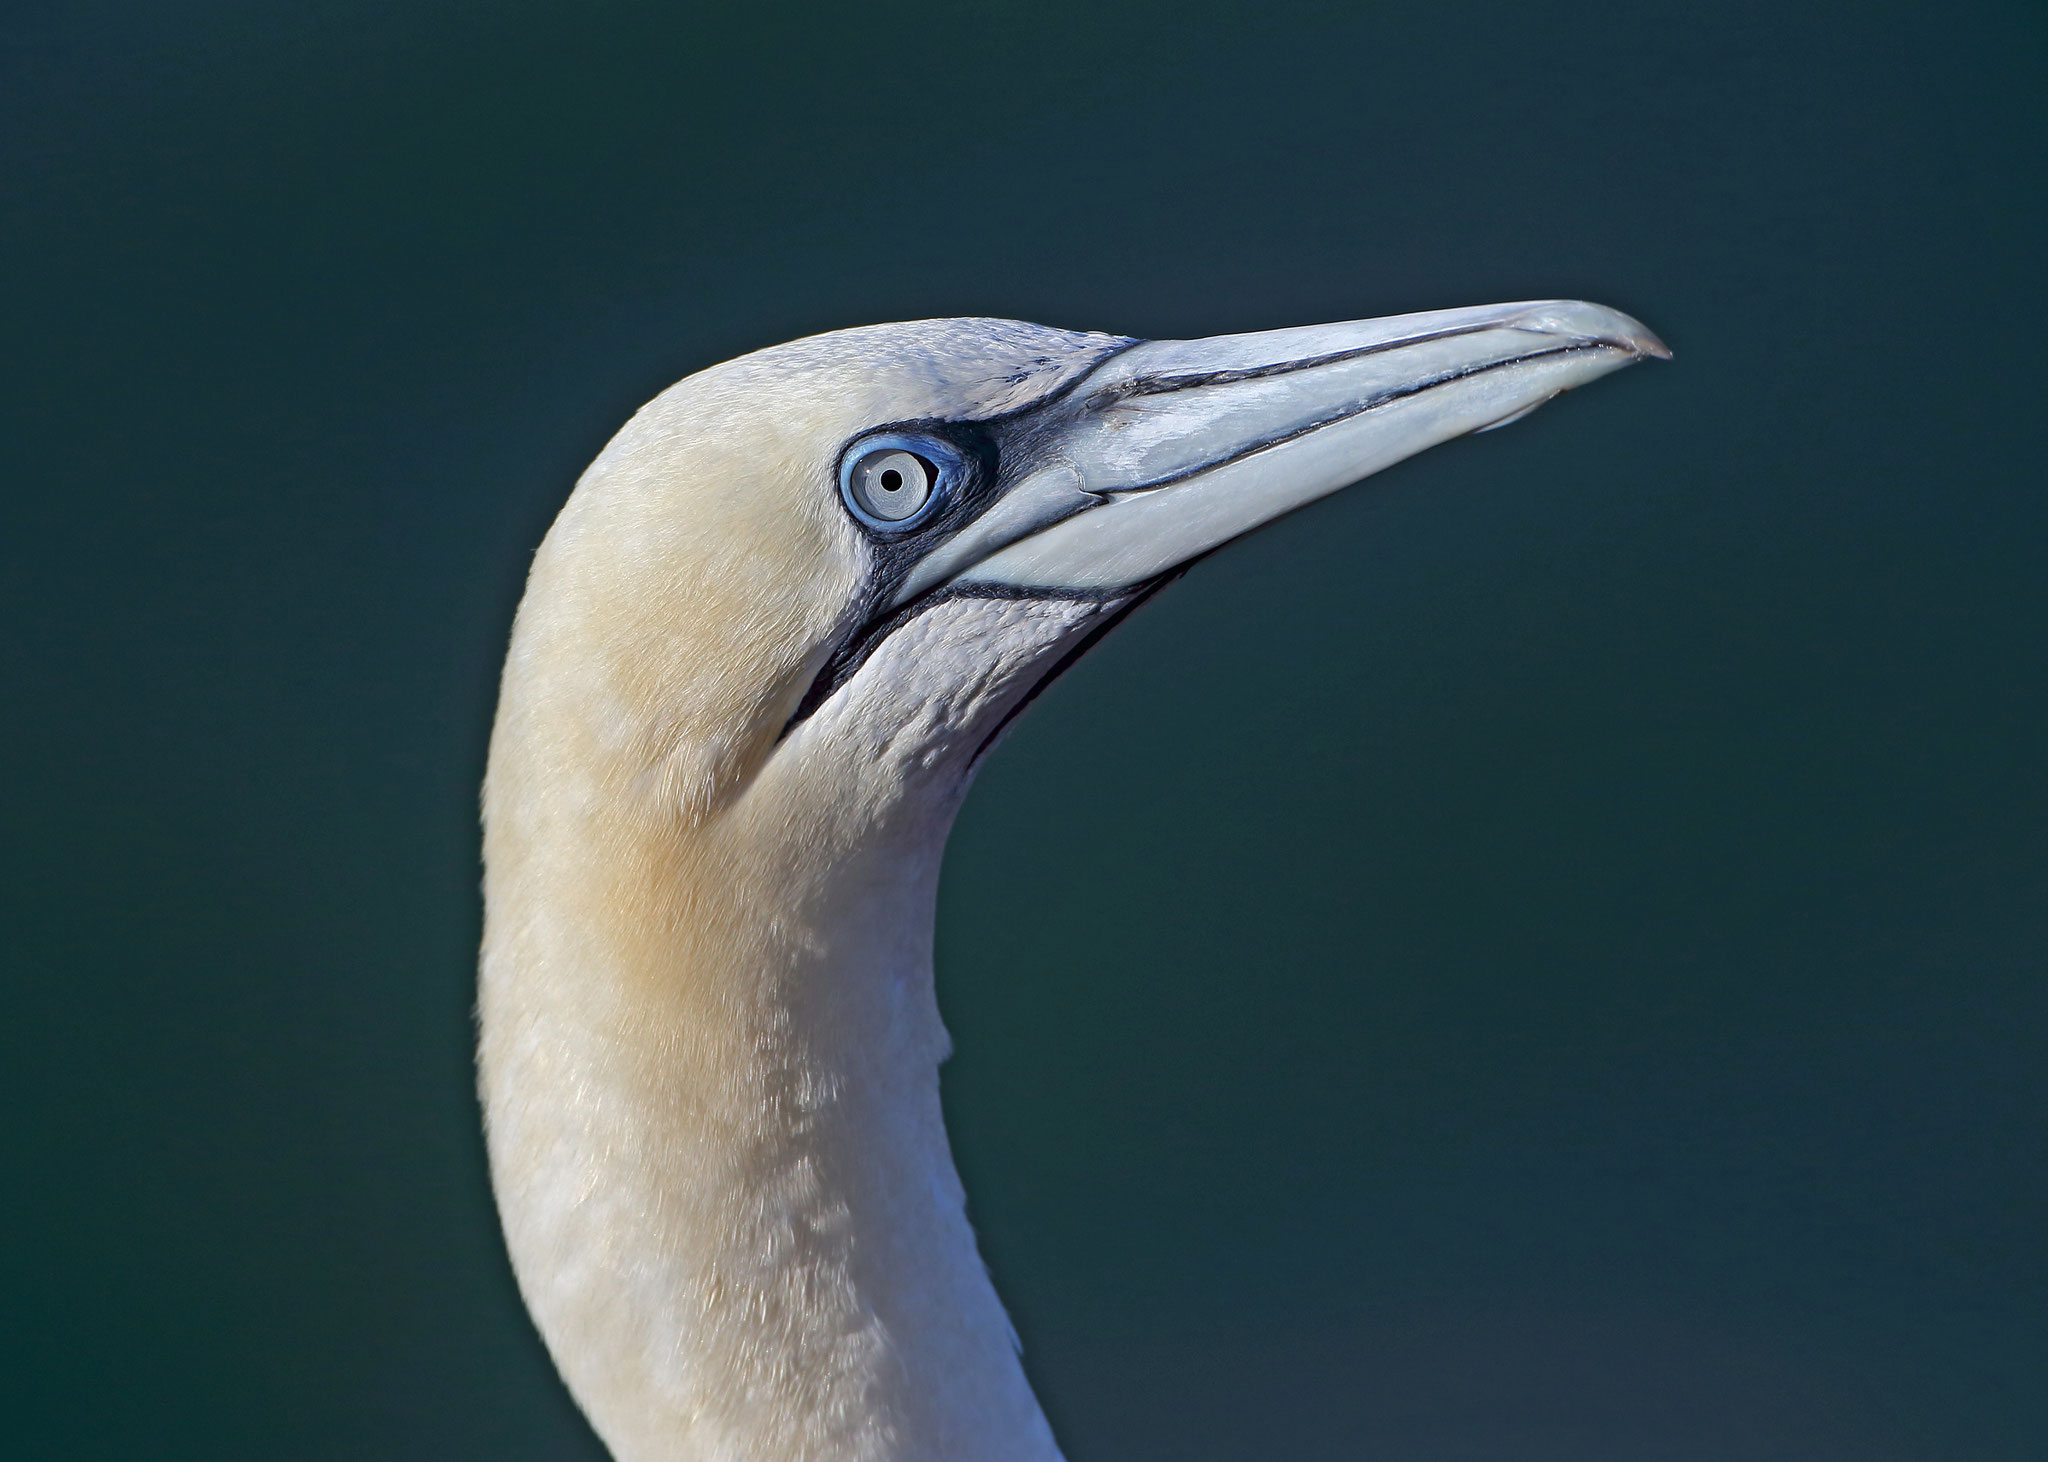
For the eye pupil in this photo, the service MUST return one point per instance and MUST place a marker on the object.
(888, 486)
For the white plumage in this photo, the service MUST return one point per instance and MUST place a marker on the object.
(736, 721)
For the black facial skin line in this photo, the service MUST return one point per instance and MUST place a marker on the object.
(975, 490)
(1003, 449)
(895, 555)
(1066, 662)
(852, 653)
(993, 451)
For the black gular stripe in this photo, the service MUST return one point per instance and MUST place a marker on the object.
(855, 650)
(1086, 643)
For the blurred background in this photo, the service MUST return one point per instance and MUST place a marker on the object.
(1541, 957)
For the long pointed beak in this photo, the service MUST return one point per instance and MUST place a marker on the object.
(1174, 447)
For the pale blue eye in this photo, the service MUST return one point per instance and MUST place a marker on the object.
(892, 483)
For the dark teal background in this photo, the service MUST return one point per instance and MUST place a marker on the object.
(1541, 957)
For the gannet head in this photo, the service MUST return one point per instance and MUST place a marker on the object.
(760, 653)
(888, 537)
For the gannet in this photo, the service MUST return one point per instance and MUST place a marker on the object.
(761, 652)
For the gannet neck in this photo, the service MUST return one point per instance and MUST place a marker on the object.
(774, 628)
(710, 1064)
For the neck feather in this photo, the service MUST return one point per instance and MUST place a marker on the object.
(709, 1062)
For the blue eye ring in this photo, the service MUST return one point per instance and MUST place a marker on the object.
(872, 473)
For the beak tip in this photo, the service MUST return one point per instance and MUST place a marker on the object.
(1595, 324)
(1638, 339)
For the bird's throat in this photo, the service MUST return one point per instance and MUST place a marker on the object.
(709, 1063)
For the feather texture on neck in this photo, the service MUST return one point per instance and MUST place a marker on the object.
(710, 1061)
